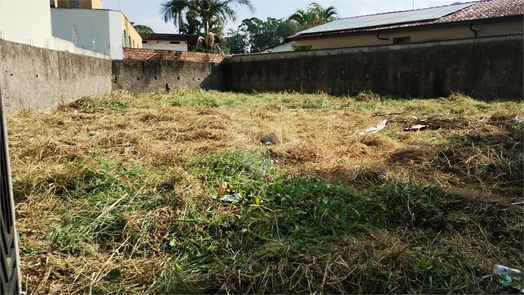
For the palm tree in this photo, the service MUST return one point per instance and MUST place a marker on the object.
(314, 16)
(324, 15)
(304, 19)
(172, 10)
(212, 13)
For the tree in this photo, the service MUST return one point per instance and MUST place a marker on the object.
(254, 35)
(192, 25)
(234, 43)
(324, 15)
(305, 19)
(141, 29)
(206, 15)
(314, 16)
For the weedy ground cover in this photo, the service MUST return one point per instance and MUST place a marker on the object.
(328, 208)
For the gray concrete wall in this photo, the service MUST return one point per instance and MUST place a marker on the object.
(42, 78)
(484, 68)
(152, 75)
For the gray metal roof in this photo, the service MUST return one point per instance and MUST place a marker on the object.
(387, 18)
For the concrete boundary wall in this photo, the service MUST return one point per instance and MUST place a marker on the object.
(484, 68)
(153, 75)
(42, 78)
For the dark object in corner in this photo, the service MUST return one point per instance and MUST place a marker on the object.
(167, 87)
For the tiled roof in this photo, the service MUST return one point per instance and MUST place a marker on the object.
(486, 9)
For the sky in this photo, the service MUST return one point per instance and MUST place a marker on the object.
(146, 12)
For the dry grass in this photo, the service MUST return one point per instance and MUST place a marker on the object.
(128, 209)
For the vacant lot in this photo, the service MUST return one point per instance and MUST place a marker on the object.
(113, 194)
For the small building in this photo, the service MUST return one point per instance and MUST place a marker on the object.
(282, 47)
(485, 18)
(100, 30)
(173, 42)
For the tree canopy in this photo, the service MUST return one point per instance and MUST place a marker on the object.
(314, 15)
(141, 29)
(195, 16)
(254, 34)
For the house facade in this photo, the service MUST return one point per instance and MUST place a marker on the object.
(29, 22)
(485, 18)
(173, 42)
(130, 37)
(100, 30)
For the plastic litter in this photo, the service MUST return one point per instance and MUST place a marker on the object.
(379, 127)
(91, 133)
(508, 274)
(416, 127)
(232, 197)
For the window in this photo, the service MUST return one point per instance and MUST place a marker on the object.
(401, 40)
(129, 41)
(133, 43)
(74, 4)
(174, 42)
(144, 42)
(125, 39)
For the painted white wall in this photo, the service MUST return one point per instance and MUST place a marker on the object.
(116, 47)
(164, 45)
(91, 29)
(26, 21)
(284, 47)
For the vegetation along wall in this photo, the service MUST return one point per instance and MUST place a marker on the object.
(42, 78)
(483, 68)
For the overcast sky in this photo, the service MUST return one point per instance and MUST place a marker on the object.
(146, 12)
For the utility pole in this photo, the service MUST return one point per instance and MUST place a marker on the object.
(413, 5)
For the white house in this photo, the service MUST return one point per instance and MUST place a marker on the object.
(173, 42)
(26, 21)
(29, 22)
(486, 18)
(100, 30)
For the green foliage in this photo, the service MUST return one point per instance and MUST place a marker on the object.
(255, 35)
(209, 16)
(141, 29)
(202, 101)
(234, 43)
(315, 15)
(301, 48)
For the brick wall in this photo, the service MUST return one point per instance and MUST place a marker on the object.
(153, 54)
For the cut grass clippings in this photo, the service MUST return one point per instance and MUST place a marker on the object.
(126, 208)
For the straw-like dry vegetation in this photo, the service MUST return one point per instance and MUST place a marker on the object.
(328, 208)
